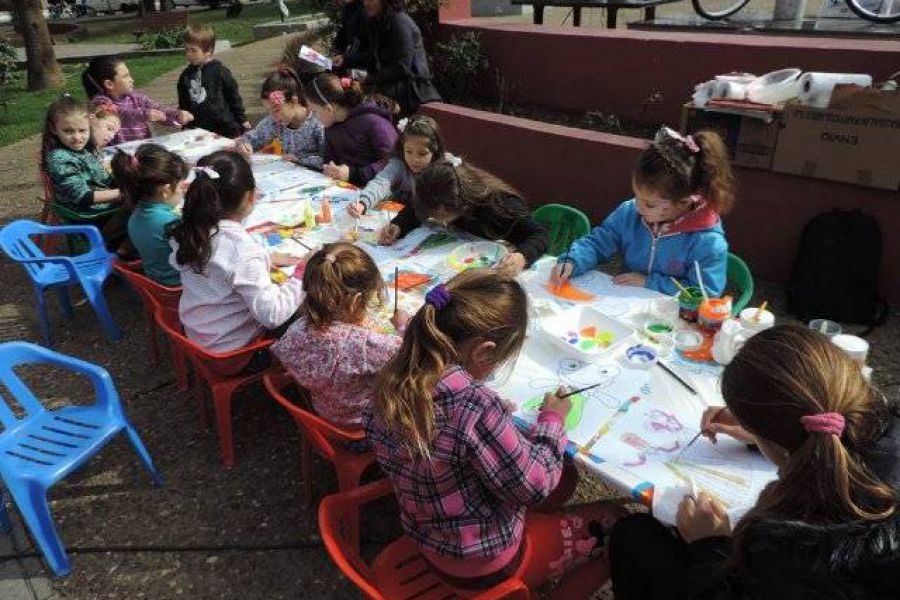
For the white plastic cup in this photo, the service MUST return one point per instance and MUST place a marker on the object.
(749, 321)
(827, 328)
(665, 309)
(855, 347)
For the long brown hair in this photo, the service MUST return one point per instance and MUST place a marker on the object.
(340, 281)
(788, 372)
(671, 168)
(484, 305)
(141, 176)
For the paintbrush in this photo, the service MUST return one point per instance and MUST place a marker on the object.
(578, 391)
(680, 287)
(697, 437)
(700, 280)
(760, 311)
(563, 263)
(296, 238)
(678, 378)
(396, 287)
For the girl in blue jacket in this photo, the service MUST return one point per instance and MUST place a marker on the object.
(682, 186)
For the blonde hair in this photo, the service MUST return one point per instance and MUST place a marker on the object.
(334, 278)
(484, 305)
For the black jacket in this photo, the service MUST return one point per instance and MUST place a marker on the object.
(394, 56)
(527, 235)
(210, 93)
(347, 39)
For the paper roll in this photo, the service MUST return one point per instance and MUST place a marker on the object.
(744, 78)
(775, 87)
(735, 90)
(703, 93)
(816, 88)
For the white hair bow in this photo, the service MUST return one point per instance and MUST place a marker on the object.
(208, 171)
(402, 123)
(456, 161)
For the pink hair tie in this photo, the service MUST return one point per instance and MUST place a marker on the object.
(829, 423)
(276, 98)
(346, 82)
(135, 162)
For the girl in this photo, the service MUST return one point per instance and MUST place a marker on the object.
(79, 181)
(329, 350)
(300, 133)
(682, 185)
(827, 528)
(358, 135)
(105, 124)
(151, 186)
(463, 474)
(418, 146)
(107, 80)
(475, 201)
(228, 299)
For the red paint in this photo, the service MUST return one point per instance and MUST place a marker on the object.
(590, 170)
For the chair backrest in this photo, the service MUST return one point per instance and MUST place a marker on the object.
(565, 224)
(15, 239)
(11, 355)
(321, 433)
(153, 293)
(740, 279)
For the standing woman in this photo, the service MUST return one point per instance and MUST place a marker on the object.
(393, 56)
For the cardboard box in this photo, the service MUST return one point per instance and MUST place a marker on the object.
(750, 140)
(853, 146)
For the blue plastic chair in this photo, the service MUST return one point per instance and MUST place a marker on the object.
(90, 269)
(44, 446)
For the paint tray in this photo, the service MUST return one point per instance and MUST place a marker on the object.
(587, 334)
(470, 255)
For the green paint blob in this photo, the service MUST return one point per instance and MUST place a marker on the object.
(659, 328)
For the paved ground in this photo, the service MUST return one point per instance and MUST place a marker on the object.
(208, 533)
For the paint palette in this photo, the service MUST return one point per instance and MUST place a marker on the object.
(586, 333)
(473, 255)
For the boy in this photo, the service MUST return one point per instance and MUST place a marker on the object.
(207, 88)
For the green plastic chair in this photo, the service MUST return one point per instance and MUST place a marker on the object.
(740, 281)
(67, 216)
(565, 224)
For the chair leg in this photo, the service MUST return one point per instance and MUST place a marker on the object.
(63, 293)
(43, 320)
(143, 454)
(222, 405)
(5, 523)
(151, 336)
(306, 469)
(179, 365)
(94, 292)
(199, 394)
(32, 503)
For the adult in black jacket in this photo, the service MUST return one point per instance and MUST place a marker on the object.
(828, 528)
(347, 40)
(394, 57)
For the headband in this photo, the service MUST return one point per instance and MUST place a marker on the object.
(276, 98)
(688, 140)
(319, 92)
(829, 423)
(208, 171)
(438, 296)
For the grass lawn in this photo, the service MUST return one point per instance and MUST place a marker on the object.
(237, 30)
(22, 113)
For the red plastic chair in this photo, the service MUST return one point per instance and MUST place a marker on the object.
(47, 216)
(222, 372)
(322, 436)
(398, 572)
(152, 294)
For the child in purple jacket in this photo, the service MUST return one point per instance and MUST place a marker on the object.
(108, 81)
(359, 137)
(467, 481)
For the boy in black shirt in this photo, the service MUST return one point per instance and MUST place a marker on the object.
(207, 89)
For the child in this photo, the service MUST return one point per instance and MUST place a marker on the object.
(475, 201)
(329, 350)
(463, 474)
(682, 185)
(105, 124)
(300, 133)
(151, 181)
(107, 80)
(418, 146)
(358, 135)
(80, 183)
(828, 527)
(207, 89)
(228, 299)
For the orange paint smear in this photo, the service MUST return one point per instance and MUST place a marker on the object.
(391, 206)
(567, 291)
(704, 352)
(411, 280)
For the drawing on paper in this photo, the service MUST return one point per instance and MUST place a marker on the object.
(573, 375)
(435, 240)
(407, 279)
(567, 291)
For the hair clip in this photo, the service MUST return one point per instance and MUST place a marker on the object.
(454, 160)
(401, 124)
(438, 296)
(829, 423)
(346, 82)
(208, 171)
(330, 258)
(276, 98)
(687, 140)
(106, 107)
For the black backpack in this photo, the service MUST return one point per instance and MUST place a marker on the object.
(835, 274)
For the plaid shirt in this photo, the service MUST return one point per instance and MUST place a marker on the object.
(469, 500)
(134, 113)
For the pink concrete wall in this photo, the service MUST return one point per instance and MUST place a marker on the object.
(590, 170)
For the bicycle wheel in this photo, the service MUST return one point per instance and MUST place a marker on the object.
(877, 11)
(718, 9)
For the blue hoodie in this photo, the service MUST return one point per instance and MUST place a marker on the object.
(669, 252)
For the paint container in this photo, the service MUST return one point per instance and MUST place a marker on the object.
(665, 309)
(713, 312)
(755, 325)
(855, 347)
(656, 330)
(687, 340)
(326, 211)
(641, 357)
(689, 304)
(827, 328)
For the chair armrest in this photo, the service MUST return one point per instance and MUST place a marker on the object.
(90, 231)
(99, 377)
(62, 260)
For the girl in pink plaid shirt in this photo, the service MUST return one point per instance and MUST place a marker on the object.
(329, 350)
(464, 476)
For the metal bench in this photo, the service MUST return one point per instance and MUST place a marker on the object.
(160, 21)
(612, 8)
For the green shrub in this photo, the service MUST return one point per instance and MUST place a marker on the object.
(7, 62)
(458, 65)
(162, 40)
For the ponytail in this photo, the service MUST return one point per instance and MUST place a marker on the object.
(478, 304)
(100, 70)
(716, 179)
(328, 88)
(140, 176)
(223, 180)
(340, 281)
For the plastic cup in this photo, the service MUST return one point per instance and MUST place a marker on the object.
(689, 303)
(855, 347)
(827, 328)
(713, 312)
(665, 309)
(750, 321)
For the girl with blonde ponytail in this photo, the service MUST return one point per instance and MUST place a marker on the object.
(464, 476)
(828, 527)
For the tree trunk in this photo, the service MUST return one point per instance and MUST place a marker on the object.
(43, 70)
